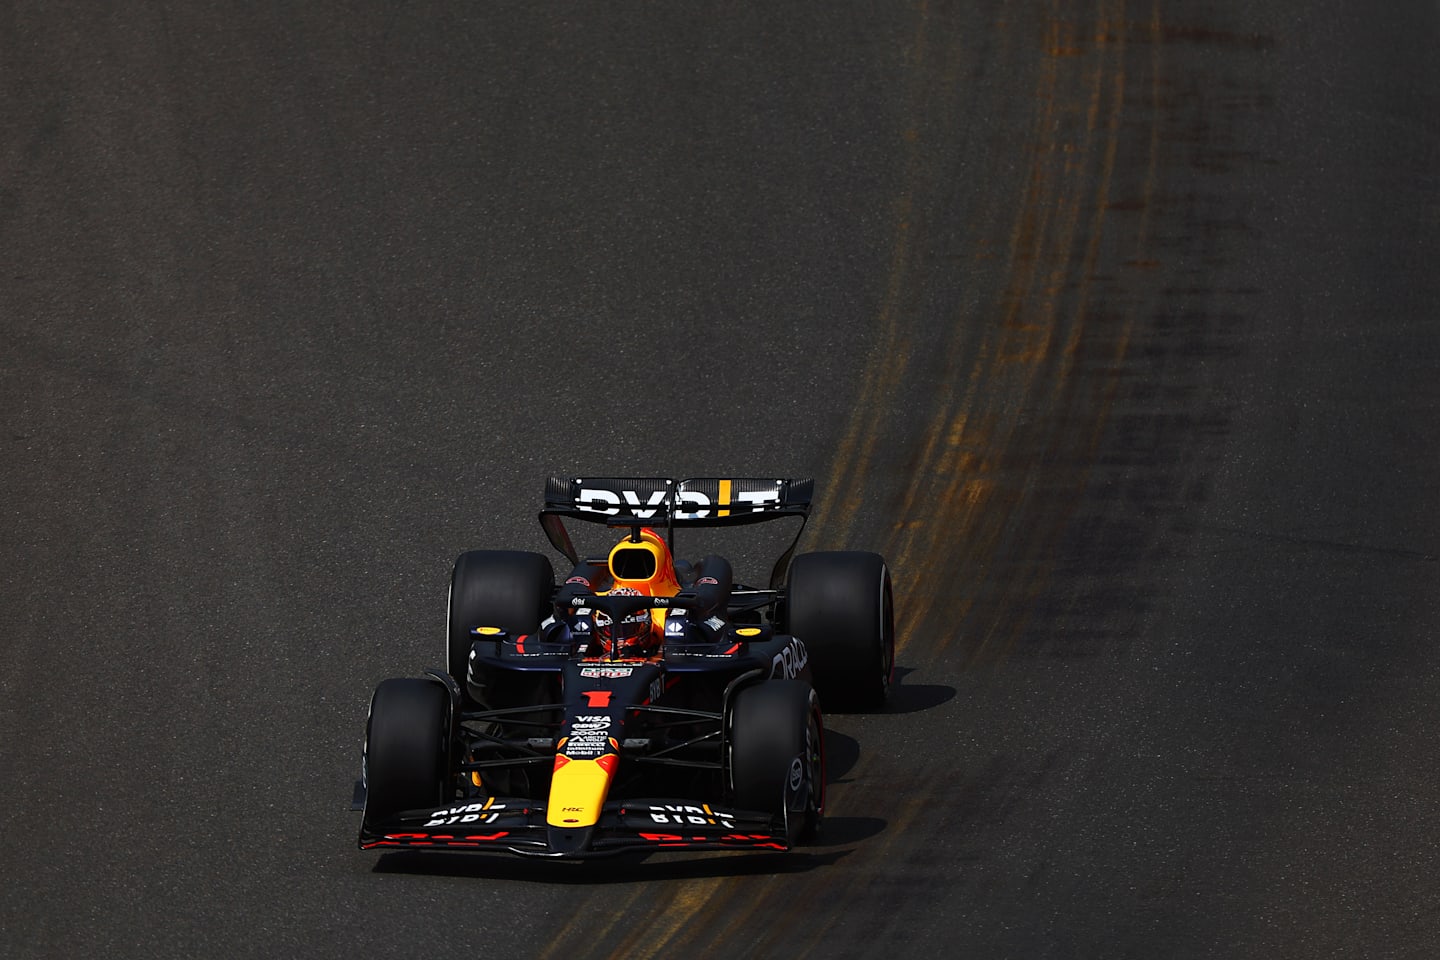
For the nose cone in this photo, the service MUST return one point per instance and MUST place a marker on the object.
(578, 790)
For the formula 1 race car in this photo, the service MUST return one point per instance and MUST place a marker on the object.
(647, 703)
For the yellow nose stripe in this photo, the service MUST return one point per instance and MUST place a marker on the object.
(578, 790)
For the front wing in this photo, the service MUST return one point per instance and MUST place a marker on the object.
(519, 827)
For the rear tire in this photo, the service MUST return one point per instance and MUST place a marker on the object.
(777, 755)
(407, 746)
(839, 604)
(510, 589)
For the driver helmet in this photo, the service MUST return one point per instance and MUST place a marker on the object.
(632, 636)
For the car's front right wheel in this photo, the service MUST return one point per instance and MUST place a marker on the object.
(407, 741)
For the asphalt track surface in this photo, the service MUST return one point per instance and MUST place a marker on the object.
(1112, 323)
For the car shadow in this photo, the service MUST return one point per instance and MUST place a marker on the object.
(626, 868)
(906, 697)
(918, 697)
(841, 754)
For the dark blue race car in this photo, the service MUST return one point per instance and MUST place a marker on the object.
(644, 703)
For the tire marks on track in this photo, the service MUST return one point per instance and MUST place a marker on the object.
(1005, 464)
(973, 491)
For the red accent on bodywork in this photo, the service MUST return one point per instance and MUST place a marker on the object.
(758, 842)
(436, 840)
(561, 760)
(608, 762)
(597, 699)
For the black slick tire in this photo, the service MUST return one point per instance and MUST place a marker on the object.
(407, 741)
(509, 589)
(777, 755)
(839, 604)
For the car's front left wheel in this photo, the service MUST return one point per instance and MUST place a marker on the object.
(777, 755)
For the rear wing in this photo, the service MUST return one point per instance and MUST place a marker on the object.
(663, 503)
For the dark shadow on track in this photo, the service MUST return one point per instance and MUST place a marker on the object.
(912, 697)
(843, 831)
(630, 869)
(841, 755)
(918, 697)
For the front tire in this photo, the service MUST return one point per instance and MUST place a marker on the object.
(777, 755)
(407, 748)
(840, 605)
